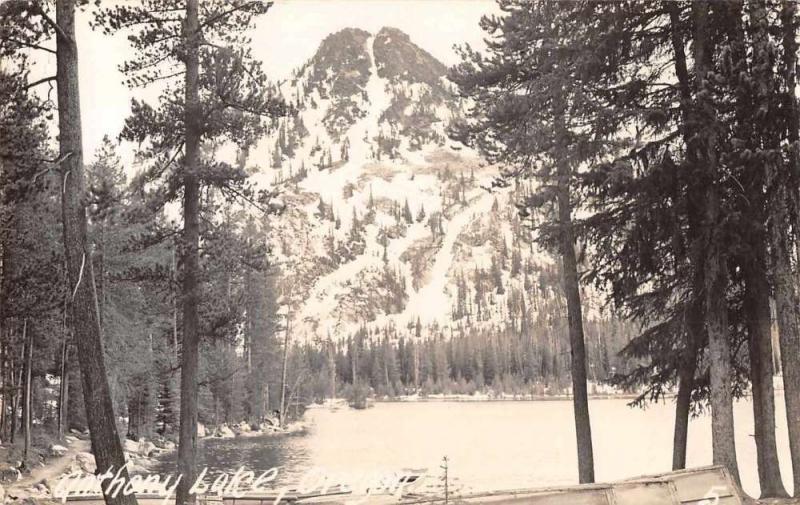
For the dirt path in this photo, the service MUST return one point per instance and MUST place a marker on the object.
(53, 467)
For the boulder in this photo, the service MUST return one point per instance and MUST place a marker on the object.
(201, 430)
(170, 446)
(58, 450)
(86, 461)
(74, 467)
(147, 448)
(9, 473)
(131, 445)
(244, 428)
(224, 432)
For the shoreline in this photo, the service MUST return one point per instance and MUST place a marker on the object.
(485, 399)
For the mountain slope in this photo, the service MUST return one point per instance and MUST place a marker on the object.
(388, 222)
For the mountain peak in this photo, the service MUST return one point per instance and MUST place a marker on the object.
(341, 65)
(399, 59)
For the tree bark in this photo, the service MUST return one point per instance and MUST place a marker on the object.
(106, 444)
(4, 378)
(714, 267)
(256, 333)
(753, 261)
(64, 382)
(694, 324)
(102, 268)
(27, 338)
(5, 335)
(757, 315)
(3, 339)
(683, 405)
(580, 396)
(686, 373)
(283, 370)
(722, 423)
(187, 442)
(786, 300)
(63, 392)
(16, 378)
(174, 307)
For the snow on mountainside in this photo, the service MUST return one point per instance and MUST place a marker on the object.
(387, 221)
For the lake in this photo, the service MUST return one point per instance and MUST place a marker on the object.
(489, 445)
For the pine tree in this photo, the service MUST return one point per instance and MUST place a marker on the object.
(421, 213)
(233, 105)
(355, 229)
(497, 277)
(31, 25)
(277, 160)
(407, 213)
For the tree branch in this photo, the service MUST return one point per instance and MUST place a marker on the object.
(245, 198)
(31, 45)
(223, 14)
(40, 81)
(50, 21)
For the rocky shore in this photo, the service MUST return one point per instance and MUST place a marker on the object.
(74, 457)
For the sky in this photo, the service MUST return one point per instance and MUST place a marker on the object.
(284, 39)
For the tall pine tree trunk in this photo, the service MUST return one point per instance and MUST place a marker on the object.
(174, 306)
(757, 316)
(753, 262)
(4, 394)
(719, 352)
(3, 339)
(580, 396)
(283, 370)
(16, 379)
(686, 373)
(694, 324)
(714, 264)
(786, 300)
(63, 391)
(106, 445)
(256, 333)
(63, 370)
(187, 443)
(27, 338)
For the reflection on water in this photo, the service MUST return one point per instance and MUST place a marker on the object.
(490, 445)
(258, 453)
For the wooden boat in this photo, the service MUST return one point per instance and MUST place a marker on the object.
(695, 486)
(712, 484)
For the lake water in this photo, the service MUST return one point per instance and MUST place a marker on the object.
(489, 445)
